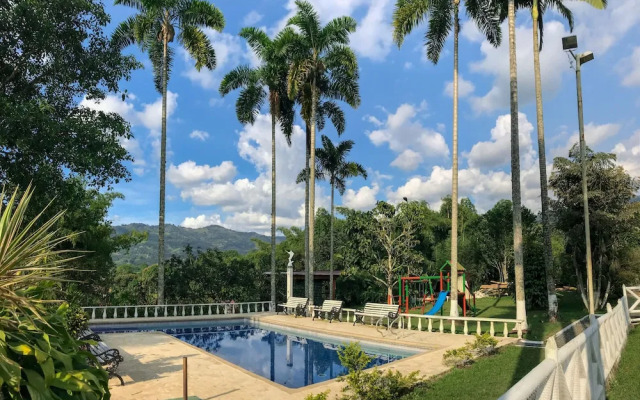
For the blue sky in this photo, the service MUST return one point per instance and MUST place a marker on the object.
(219, 170)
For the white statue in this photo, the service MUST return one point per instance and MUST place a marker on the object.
(290, 264)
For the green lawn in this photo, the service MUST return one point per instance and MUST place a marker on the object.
(490, 377)
(571, 309)
(487, 378)
(625, 384)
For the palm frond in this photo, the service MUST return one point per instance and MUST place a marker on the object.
(249, 102)
(200, 13)
(486, 15)
(258, 40)
(238, 77)
(331, 110)
(407, 15)
(198, 46)
(130, 31)
(307, 21)
(137, 4)
(440, 24)
(156, 51)
(336, 31)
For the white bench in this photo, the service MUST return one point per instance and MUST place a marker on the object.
(379, 311)
(331, 309)
(297, 305)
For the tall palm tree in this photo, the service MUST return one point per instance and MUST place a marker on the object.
(443, 15)
(272, 76)
(320, 54)
(153, 28)
(518, 258)
(333, 165)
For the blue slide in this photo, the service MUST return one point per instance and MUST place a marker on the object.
(442, 297)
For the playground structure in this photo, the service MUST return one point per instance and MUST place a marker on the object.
(416, 292)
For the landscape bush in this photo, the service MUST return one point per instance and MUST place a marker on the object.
(460, 357)
(484, 345)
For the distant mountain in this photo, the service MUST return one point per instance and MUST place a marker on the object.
(177, 237)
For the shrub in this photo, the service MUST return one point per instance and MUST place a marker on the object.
(460, 357)
(319, 396)
(484, 345)
(76, 320)
(374, 385)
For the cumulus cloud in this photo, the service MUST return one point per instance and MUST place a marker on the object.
(189, 173)
(497, 151)
(201, 221)
(246, 203)
(252, 18)
(594, 135)
(465, 87)
(361, 199)
(629, 69)
(628, 152)
(200, 135)
(402, 131)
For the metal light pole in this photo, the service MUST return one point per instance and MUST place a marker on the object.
(569, 43)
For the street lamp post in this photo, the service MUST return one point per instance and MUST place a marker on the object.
(569, 43)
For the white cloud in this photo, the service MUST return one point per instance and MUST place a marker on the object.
(465, 87)
(246, 203)
(408, 160)
(401, 131)
(189, 173)
(252, 18)
(629, 68)
(201, 221)
(594, 135)
(408, 65)
(200, 135)
(361, 199)
(151, 114)
(628, 153)
(497, 151)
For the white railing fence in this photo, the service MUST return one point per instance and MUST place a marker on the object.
(102, 313)
(579, 369)
(633, 294)
(448, 324)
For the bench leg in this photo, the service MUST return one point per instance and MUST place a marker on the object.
(116, 375)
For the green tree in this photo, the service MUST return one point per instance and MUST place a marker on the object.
(443, 15)
(333, 166)
(272, 75)
(320, 54)
(614, 217)
(153, 28)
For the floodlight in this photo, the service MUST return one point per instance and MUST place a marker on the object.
(585, 57)
(569, 42)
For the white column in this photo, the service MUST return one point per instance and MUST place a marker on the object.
(289, 281)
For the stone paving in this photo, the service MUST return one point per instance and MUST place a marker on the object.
(153, 362)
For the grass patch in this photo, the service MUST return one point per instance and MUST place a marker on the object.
(625, 384)
(571, 309)
(487, 378)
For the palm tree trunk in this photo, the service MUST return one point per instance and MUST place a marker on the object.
(306, 213)
(453, 299)
(542, 158)
(312, 188)
(163, 162)
(518, 258)
(331, 294)
(273, 208)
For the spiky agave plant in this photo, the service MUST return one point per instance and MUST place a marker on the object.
(30, 255)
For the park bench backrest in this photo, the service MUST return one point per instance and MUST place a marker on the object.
(328, 305)
(295, 301)
(380, 310)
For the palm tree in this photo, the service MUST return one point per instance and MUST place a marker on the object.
(153, 28)
(518, 258)
(272, 75)
(443, 15)
(333, 165)
(538, 8)
(320, 55)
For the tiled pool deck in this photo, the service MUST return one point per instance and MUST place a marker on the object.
(153, 362)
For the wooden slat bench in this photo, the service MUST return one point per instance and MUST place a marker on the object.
(107, 357)
(297, 305)
(331, 309)
(379, 311)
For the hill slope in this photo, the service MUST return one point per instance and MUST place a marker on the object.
(177, 237)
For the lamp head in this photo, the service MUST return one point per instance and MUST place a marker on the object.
(570, 42)
(585, 57)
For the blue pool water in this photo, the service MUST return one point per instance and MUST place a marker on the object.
(283, 357)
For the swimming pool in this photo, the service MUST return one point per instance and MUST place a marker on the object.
(288, 357)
